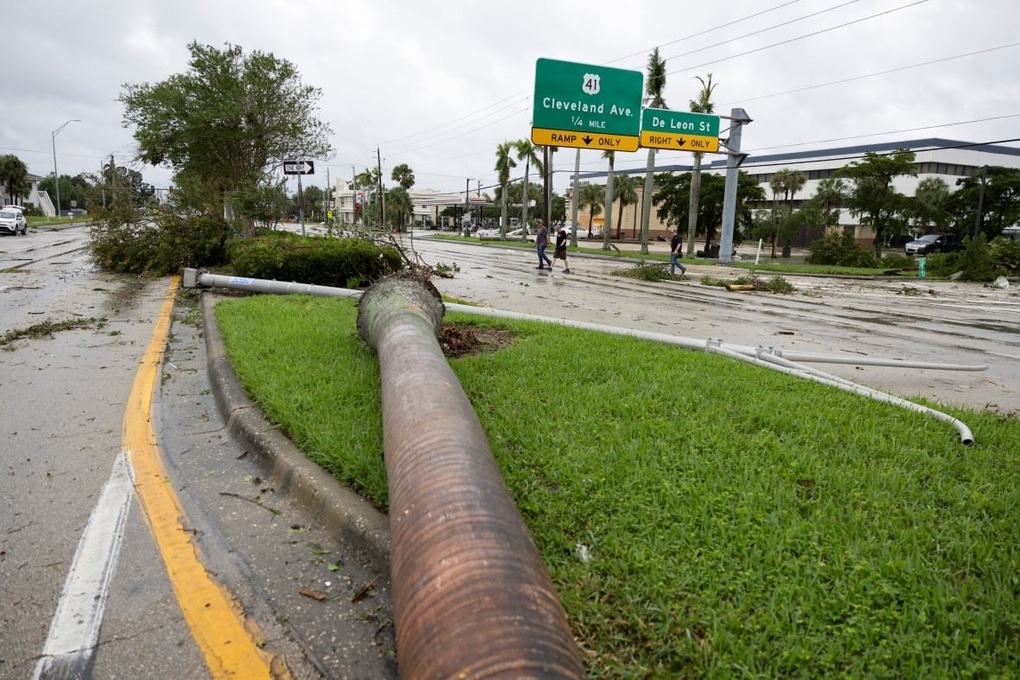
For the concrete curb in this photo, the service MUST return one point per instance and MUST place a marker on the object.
(324, 499)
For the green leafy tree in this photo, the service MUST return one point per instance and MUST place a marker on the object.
(592, 198)
(14, 177)
(368, 181)
(703, 104)
(873, 197)
(228, 122)
(267, 203)
(66, 190)
(398, 207)
(625, 189)
(404, 176)
(999, 201)
(829, 196)
(673, 201)
(929, 211)
(655, 83)
(504, 164)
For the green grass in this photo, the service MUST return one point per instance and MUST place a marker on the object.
(740, 523)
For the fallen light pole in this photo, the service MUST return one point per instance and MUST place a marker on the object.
(766, 357)
(471, 596)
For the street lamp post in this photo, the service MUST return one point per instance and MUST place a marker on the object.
(56, 177)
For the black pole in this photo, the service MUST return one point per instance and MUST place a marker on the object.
(981, 203)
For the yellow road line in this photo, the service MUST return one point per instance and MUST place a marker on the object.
(214, 620)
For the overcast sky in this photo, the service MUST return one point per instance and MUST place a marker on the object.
(439, 84)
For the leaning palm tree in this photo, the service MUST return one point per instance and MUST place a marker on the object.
(654, 84)
(526, 152)
(504, 164)
(703, 104)
(608, 228)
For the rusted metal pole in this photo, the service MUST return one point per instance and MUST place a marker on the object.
(471, 596)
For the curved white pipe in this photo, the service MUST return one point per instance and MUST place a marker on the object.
(781, 360)
(786, 366)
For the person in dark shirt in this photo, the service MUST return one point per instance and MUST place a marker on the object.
(561, 250)
(676, 251)
(541, 242)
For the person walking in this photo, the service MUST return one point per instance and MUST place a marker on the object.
(561, 250)
(541, 243)
(676, 251)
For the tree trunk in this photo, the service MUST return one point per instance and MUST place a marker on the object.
(692, 210)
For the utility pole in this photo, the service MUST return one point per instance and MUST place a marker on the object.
(301, 205)
(354, 196)
(733, 161)
(575, 198)
(382, 198)
(981, 203)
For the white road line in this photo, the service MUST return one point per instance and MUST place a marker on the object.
(74, 631)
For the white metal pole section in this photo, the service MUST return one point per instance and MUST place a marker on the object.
(301, 205)
(733, 160)
(575, 199)
(56, 177)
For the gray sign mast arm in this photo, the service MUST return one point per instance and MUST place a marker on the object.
(733, 160)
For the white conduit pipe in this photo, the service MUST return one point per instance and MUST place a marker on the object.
(785, 366)
(193, 278)
(693, 343)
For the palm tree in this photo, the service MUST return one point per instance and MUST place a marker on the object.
(591, 198)
(404, 176)
(654, 84)
(830, 194)
(625, 188)
(526, 152)
(608, 227)
(504, 164)
(703, 104)
(780, 178)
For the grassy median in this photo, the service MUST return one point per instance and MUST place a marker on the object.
(699, 517)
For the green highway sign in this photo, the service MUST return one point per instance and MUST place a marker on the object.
(586, 106)
(679, 130)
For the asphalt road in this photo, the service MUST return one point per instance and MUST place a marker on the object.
(66, 406)
(313, 603)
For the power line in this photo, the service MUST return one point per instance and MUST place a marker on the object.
(801, 37)
(871, 75)
(766, 30)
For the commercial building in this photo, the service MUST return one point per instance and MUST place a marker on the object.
(946, 159)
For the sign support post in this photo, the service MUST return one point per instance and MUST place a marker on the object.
(733, 160)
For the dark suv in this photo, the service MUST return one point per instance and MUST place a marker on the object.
(934, 243)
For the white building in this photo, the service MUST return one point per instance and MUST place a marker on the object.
(946, 159)
(427, 203)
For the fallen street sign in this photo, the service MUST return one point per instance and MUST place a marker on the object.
(298, 168)
(679, 130)
(586, 106)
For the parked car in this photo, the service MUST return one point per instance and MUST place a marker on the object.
(934, 243)
(13, 222)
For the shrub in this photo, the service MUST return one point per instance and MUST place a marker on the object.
(1005, 255)
(839, 248)
(316, 260)
(898, 261)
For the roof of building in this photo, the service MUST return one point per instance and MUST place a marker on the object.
(847, 153)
